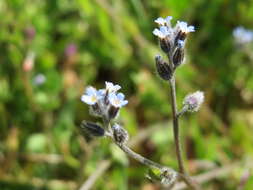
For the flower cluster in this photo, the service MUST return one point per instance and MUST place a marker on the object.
(192, 102)
(242, 35)
(104, 102)
(172, 42)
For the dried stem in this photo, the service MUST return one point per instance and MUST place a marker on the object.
(210, 175)
(104, 165)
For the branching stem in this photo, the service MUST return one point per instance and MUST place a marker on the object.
(176, 132)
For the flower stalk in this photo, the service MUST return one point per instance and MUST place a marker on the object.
(175, 39)
(106, 103)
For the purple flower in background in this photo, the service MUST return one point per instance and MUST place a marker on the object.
(70, 50)
(30, 32)
(39, 79)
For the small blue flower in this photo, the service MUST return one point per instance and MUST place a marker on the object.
(162, 32)
(117, 100)
(111, 87)
(161, 21)
(242, 35)
(184, 28)
(91, 96)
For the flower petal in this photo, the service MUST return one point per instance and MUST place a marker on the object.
(90, 90)
(125, 102)
(160, 21)
(88, 100)
(120, 96)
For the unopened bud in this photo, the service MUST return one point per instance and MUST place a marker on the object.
(168, 177)
(112, 112)
(93, 129)
(180, 36)
(120, 134)
(165, 45)
(192, 102)
(178, 56)
(163, 68)
(95, 110)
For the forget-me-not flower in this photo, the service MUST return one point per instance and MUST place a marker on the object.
(91, 96)
(162, 32)
(184, 28)
(164, 21)
(117, 100)
(111, 87)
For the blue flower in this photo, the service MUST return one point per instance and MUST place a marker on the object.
(242, 35)
(162, 32)
(111, 87)
(91, 96)
(184, 28)
(161, 21)
(117, 100)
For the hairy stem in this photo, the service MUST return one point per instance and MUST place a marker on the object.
(140, 158)
(176, 126)
(130, 152)
(184, 176)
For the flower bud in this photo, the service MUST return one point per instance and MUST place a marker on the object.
(168, 177)
(95, 110)
(178, 57)
(193, 101)
(165, 45)
(180, 36)
(163, 68)
(113, 112)
(93, 129)
(182, 30)
(120, 135)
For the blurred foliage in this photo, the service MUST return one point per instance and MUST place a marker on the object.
(51, 50)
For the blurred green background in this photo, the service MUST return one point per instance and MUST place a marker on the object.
(51, 50)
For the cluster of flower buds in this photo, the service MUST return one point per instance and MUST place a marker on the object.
(106, 102)
(192, 102)
(172, 42)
